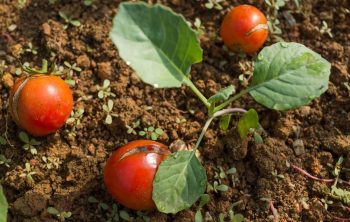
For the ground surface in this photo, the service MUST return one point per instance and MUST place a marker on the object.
(312, 137)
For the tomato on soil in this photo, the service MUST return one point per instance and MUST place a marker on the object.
(130, 171)
(40, 104)
(244, 29)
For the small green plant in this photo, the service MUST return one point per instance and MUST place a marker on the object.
(28, 173)
(61, 215)
(108, 109)
(277, 176)
(245, 77)
(4, 161)
(132, 129)
(104, 91)
(75, 120)
(69, 20)
(198, 27)
(21, 3)
(151, 132)
(29, 143)
(70, 71)
(326, 29)
(50, 162)
(3, 140)
(204, 199)
(30, 48)
(219, 175)
(232, 216)
(88, 2)
(214, 4)
(113, 213)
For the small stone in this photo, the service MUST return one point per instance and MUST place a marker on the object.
(46, 29)
(298, 146)
(7, 80)
(305, 111)
(16, 50)
(83, 61)
(104, 70)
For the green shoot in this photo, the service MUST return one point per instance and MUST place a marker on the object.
(50, 162)
(69, 20)
(4, 161)
(108, 109)
(30, 48)
(214, 4)
(104, 91)
(75, 120)
(28, 173)
(326, 29)
(151, 132)
(29, 143)
(61, 215)
(204, 199)
(132, 129)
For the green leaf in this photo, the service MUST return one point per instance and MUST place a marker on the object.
(24, 137)
(204, 200)
(2, 141)
(250, 120)
(147, 40)
(257, 138)
(179, 182)
(238, 218)
(225, 121)
(3, 205)
(223, 94)
(92, 200)
(108, 119)
(198, 217)
(222, 187)
(288, 75)
(124, 215)
(52, 210)
(159, 131)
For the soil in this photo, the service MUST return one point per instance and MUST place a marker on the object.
(312, 137)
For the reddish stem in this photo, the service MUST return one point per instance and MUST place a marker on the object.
(340, 218)
(319, 179)
(274, 211)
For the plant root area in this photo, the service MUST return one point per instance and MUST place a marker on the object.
(265, 187)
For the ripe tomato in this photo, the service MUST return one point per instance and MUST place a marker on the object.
(40, 104)
(129, 173)
(244, 29)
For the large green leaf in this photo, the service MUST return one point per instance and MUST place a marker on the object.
(157, 43)
(3, 206)
(289, 75)
(179, 182)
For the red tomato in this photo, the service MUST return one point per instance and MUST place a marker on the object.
(244, 29)
(130, 171)
(40, 104)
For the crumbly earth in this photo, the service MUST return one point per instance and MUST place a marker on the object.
(312, 137)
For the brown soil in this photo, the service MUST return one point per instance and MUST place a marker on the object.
(310, 137)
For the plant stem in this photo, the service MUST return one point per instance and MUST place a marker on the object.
(217, 114)
(204, 100)
(227, 102)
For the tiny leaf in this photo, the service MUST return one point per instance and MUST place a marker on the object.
(288, 75)
(179, 182)
(250, 120)
(225, 121)
(198, 217)
(52, 210)
(23, 137)
(223, 94)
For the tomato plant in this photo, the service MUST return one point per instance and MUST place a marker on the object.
(40, 103)
(130, 171)
(286, 76)
(244, 29)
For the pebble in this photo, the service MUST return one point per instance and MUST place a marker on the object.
(104, 70)
(298, 146)
(7, 80)
(83, 61)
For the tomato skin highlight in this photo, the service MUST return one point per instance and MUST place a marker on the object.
(244, 29)
(130, 170)
(40, 104)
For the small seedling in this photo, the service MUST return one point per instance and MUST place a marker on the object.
(4, 161)
(326, 29)
(28, 172)
(104, 91)
(113, 214)
(151, 132)
(275, 216)
(220, 173)
(3, 66)
(29, 143)
(88, 2)
(75, 120)
(61, 215)
(50, 162)
(247, 68)
(108, 109)
(198, 27)
(216, 187)
(214, 4)
(21, 3)
(30, 48)
(204, 199)
(277, 176)
(70, 71)
(132, 129)
(69, 20)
